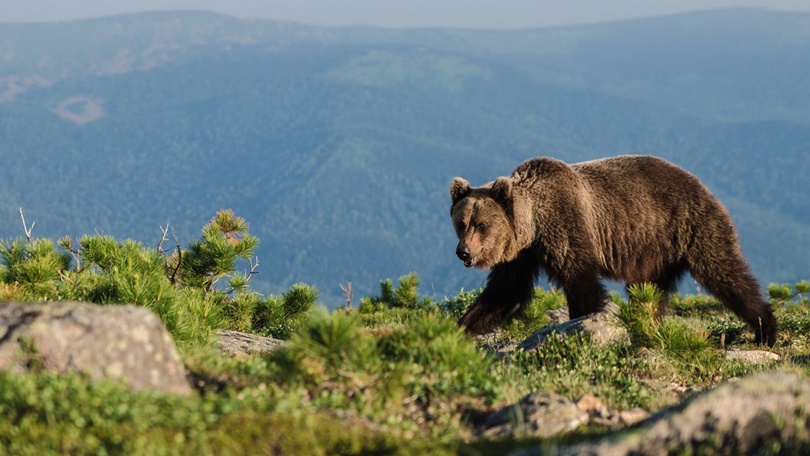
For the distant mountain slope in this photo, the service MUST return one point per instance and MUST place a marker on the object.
(337, 144)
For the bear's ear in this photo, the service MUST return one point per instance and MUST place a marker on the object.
(459, 188)
(502, 189)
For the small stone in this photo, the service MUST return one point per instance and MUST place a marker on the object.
(244, 345)
(753, 356)
(604, 328)
(539, 414)
(633, 416)
(589, 404)
(558, 316)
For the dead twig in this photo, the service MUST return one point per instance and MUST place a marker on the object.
(67, 279)
(163, 238)
(25, 227)
(348, 293)
(173, 278)
(253, 266)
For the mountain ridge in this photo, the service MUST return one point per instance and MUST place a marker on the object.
(337, 144)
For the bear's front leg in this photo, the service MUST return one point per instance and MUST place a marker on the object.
(510, 286)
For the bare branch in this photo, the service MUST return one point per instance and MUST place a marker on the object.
(67, 279)
(253, 267)
(348, 293)
(25, 227)
(173, 278)
(164, 238)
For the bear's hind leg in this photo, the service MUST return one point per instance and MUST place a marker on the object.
(585, 294)
(729, 279)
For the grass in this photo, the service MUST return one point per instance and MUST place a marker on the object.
(380, 381)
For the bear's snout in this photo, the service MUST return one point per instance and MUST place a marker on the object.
(463, 254)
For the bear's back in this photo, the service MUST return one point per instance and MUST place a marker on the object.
(637, 181)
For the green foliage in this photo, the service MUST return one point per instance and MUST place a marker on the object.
(796, 321)
(450, 362)
(535, 314)
(672, 335)
(48, 414)
(225, 239)
(686, 346)
(280, 316)
(785, 293)
(35, 267)
(405, 295)
(695, 305)
(458, 304)
(102, 270)
(128, 273)
(393, 374)
(396, 375)
(327, 344)
(395, 380)
(639, 314)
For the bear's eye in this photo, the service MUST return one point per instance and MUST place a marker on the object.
(480, 227)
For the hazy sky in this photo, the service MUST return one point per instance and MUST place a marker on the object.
(391, 13)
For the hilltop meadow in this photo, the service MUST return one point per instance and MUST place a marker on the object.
(386, 373)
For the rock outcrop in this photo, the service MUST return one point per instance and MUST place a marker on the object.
(763, 413)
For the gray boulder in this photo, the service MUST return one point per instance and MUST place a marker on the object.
(124, 343)
(604, 328)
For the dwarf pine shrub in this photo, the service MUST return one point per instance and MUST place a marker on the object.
(426, 363)
(405, 295)
(458, 304)
(783, 293)
(225, 240)
(673, 335)
(33, 267)
(281, 316)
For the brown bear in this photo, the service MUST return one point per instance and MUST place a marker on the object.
(629, 218)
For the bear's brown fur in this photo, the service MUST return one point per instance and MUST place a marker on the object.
(629, 218)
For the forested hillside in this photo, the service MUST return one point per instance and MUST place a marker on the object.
(337, 144)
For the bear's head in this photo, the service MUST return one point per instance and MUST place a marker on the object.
(485, 222)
